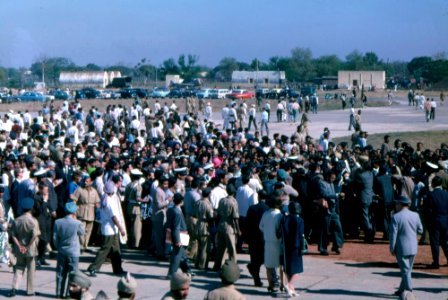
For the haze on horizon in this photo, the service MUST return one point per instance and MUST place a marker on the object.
(108, 32)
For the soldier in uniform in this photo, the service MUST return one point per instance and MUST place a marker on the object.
(25, 233)
(204, 214)
(230, 273)
(87, 199)
(78, 286)
(133, 200)
(228, 227)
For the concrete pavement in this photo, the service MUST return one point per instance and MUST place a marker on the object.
(322, 279)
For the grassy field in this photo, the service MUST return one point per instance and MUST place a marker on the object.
(430, 139)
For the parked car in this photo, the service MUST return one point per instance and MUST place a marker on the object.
(307, 91)
(30, 96)
(261, 93)
(176, 93)
(61, 95)
(276, 94)
(91, 93)
(160, 93)
(204, 93)
(133, 93)
(241, 94)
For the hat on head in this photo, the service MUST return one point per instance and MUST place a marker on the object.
(402, 200)
(71, 207)
(230, 272)
(208, 167)
(27, 203)
(79, 278)
(432, 166)
(136, 172)
(181, 171)
(109, 188)
(40, 173)
(127, 284)
(178, 280)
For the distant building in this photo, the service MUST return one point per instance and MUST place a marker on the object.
(98, 79)
(172, 79)
(259, 78)
(368, 79)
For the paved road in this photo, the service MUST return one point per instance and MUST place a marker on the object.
(322, 279)
(395, 118)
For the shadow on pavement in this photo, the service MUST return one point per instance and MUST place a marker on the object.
(351, 293)
(373, 264)
(416, 275)
(432, 290)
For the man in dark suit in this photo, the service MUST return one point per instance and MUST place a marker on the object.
(64, 172)
(364, 192)
(436, 208)
(405, 226)
(255, 238)
(175, 222)
(382, 186)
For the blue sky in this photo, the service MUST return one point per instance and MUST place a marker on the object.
(108, 32)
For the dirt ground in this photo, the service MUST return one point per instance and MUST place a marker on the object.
(378, 255)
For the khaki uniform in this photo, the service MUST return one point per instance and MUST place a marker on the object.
(204, 213)
(133, 196)
(25, 229)
(227, 231)
(224, 292)
(87, 200)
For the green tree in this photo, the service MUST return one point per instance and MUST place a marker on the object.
(327, 65)
(225, 68)
(188, 66)
(371, 61)
(435, 70)
(92, 67)
(417, 65)
(354, 60)
(170, 66)
(51, 68)
(301, 65)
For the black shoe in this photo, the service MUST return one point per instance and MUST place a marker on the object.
(91, 273)
(272, 289)
(43, 262)
(121, 273)
(398, 293)
(12, 293)
(324, 253)
(433, 266)
(336, 250)
(258, 283)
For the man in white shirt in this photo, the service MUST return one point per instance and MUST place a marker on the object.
(111, 226)
(244, 199)
(280, 109)
(135, 123)
(98, 124)
(225, 116)
(264, 122)
(157, 107)
(208, 111)
(219, 191)
(252, 117)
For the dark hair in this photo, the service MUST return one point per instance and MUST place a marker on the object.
(436, 181)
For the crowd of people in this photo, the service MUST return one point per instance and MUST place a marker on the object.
(187, 190)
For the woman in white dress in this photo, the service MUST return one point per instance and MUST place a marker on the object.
(270, 226)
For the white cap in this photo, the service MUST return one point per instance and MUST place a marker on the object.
(136, 172)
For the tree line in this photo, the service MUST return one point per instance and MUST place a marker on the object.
(299, 66)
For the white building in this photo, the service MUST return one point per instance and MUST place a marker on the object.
(261, 78)
(99, 79)
(368, 79)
